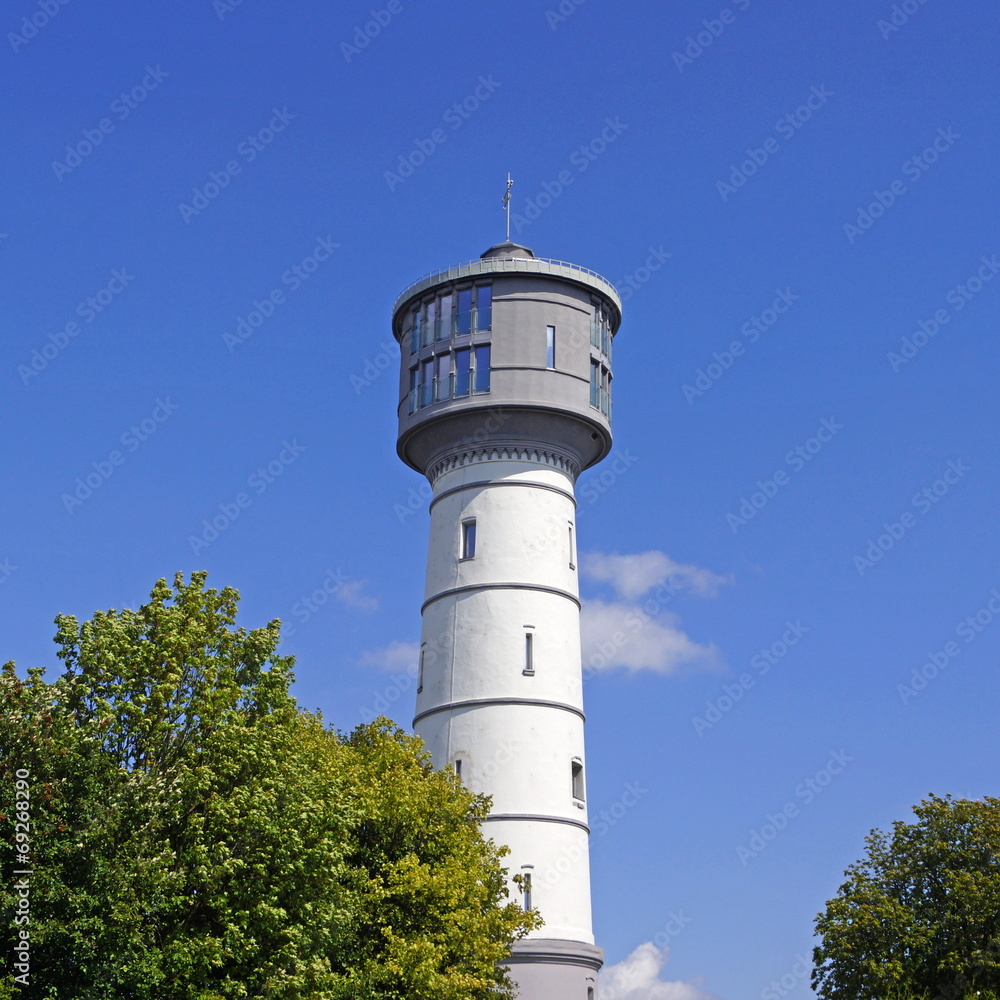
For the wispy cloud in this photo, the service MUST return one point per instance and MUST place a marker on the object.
(350, 593)
(623, 632)
(394, 658)
(643, 635)
(622, 635)
(638, 978)
(633, 575)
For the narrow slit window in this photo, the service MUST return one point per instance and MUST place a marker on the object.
(529, 653)
(526, 891)
(458, 768)
(550, 347)
(572, 554)
(469, 539)
(420, 670)
(595, 383)
(576, 772)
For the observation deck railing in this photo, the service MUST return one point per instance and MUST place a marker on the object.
(510, 265)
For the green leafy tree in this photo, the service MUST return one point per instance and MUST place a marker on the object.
(919, 916)
(194, 835)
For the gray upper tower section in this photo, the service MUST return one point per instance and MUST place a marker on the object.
(510, 350)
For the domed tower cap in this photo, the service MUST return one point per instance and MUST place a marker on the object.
(507, 249)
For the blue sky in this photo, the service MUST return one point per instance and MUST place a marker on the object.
(815, 184)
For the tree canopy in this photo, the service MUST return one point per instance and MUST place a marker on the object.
(192, 834)
(919, 916)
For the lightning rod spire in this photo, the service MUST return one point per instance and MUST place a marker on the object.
(506, 202)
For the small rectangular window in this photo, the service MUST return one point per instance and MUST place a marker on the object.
(420, 670)
(469, 539)
(572, 553)
(412, 333)
(529, 653)
(462, 371)
(413, 402)
(426, 328)
(482, 380)
(445, 317)
(432, 319)
(464, 321)
(427, 382)
(595, 383)
(550, 347)
(526, 891)
(576, 769)
(458, 768)
(484, 307)
(443, 377)
(595, 333)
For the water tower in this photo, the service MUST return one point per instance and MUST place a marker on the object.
(505, 398)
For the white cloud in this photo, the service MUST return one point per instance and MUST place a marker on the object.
(646, 637)
(622, 635)
(613, 633)
(349, 593)
(633, 575)
(638, 978)
(397, 657)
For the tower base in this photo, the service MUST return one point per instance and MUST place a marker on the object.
(553, 969)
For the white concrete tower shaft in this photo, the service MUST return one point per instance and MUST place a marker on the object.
(505, 398)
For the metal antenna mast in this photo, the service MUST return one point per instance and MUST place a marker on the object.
(506, 203)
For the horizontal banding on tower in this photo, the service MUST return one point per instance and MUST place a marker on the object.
(505, 381)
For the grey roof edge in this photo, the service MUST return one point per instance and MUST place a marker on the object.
(556, 951)
(512, 265)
